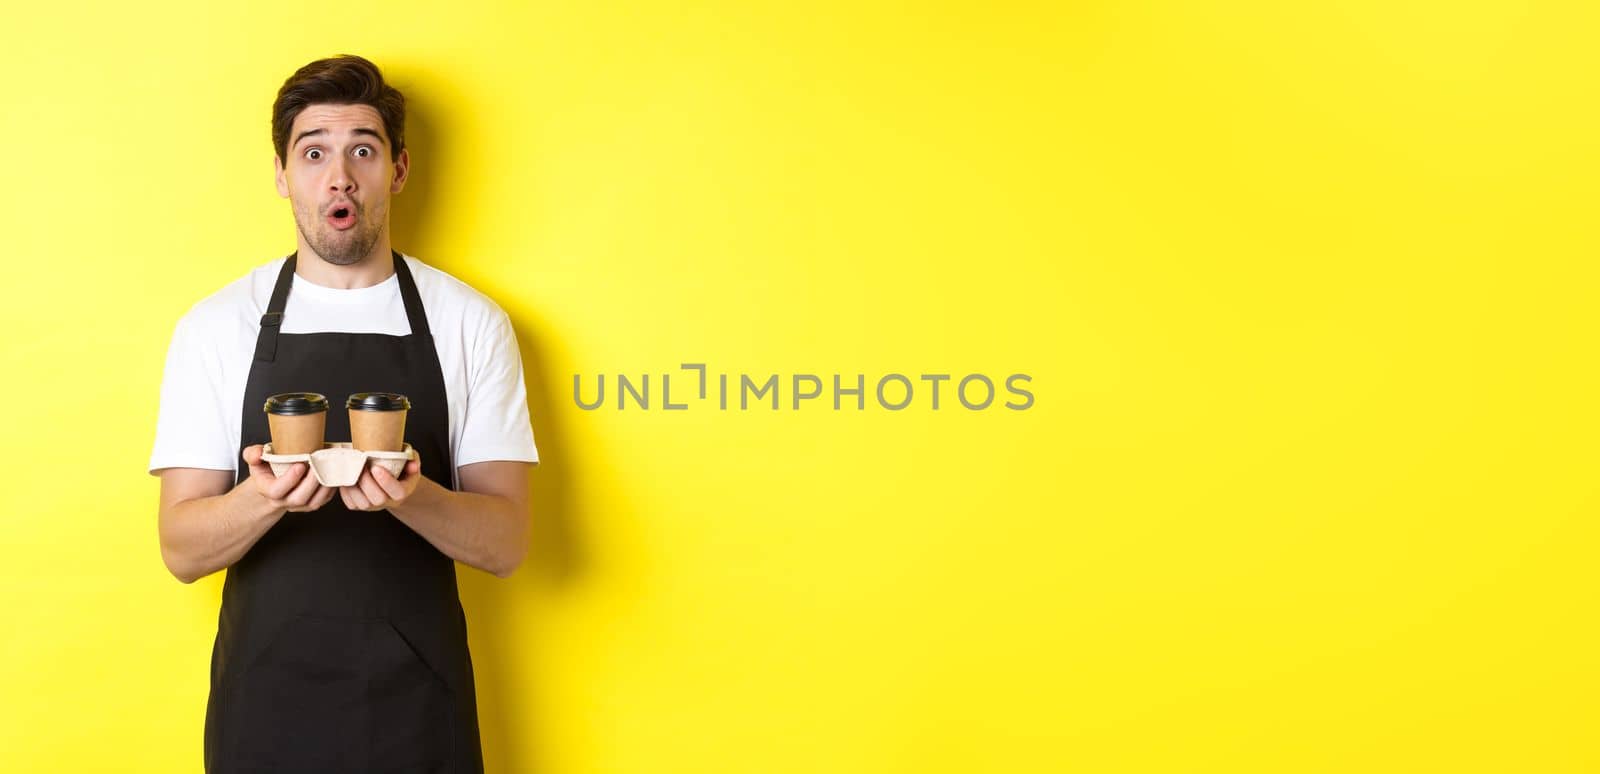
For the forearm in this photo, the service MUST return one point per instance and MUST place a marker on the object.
(206, 534)
(481, 530)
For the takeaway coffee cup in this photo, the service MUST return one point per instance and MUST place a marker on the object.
(296, 421)
(378, 421)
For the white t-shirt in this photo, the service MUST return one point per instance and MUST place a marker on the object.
(208, 362)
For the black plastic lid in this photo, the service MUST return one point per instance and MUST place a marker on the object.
(377, 401)
(295, 403)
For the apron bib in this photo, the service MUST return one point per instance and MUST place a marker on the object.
(341, 644)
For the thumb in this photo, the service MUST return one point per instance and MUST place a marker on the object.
(252, 454)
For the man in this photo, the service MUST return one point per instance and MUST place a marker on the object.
(341, 643)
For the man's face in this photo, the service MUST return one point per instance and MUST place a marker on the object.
(338, 178)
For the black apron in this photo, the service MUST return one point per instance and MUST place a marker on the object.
(342, 645)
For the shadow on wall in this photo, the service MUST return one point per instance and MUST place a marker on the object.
(504, 616)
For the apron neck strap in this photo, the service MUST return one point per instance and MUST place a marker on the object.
(267, 341)
(417, 318)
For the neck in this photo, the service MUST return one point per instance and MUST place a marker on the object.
(373, 268)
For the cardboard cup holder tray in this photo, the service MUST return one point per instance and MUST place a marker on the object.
(339, 464)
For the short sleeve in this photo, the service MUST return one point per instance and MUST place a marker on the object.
(495, 425)
(191, 428)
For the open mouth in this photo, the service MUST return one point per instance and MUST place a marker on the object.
(342, 217)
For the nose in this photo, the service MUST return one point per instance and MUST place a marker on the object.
(340, 180)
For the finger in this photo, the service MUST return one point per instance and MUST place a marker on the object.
(302, 493)
(321, 498)
(386, 481)
(344, 494)
(370, 488)
(358, 501)
(281, 486)
(252, 458)
(413, 468)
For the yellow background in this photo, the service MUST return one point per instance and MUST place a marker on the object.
(1306, 292)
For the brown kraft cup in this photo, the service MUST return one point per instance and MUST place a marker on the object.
(296, 421)
(378, 421)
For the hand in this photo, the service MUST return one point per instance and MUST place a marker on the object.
(378, 490)
(295, 490)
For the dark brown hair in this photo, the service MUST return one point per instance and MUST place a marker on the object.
(341, 80)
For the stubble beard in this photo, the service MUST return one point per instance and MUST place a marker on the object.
(341, 248)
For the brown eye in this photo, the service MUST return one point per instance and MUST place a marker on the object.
(363, 151)
(314, 154)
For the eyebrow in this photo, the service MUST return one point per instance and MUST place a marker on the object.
(314, 132)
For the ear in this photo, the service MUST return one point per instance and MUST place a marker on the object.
(402, 169)
(278, 175)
